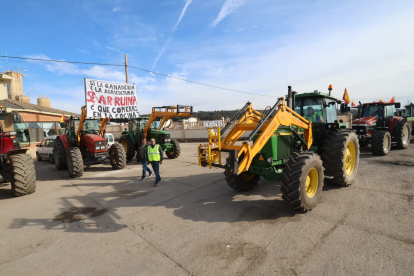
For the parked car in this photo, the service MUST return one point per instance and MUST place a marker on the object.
(45, 148)
(109, 139)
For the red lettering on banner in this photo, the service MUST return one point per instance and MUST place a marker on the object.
(123, 101)
(102, 100)
(91, 96)
(109, 100)
(134, 101)
(117, 101)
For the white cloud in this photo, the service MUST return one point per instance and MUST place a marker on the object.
(116, 9)
(228, 7)
(188, 2)
(227, 31)
(182, 14)
(254, 26)
(57, 67)
(241, 29)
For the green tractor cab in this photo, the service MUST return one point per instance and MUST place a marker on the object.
(409, 115)
(131, 138)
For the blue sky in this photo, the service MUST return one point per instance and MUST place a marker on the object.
(259, 46)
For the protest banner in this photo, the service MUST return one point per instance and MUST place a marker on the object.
(111, 100)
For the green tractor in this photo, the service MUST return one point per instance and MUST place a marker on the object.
(301, 143)
(409, 115)
(145, 127)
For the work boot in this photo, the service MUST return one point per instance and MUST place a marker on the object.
(156, 183)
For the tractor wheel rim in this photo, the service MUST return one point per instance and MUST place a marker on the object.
(247, 177)
(124, 145)
(312, 182)
(350, 158)
(405, 135)
(385, 143)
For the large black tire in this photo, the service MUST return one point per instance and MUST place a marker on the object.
(175, 152)
(23, 174)
(302, 170)
(38, 158)
(74, 162)
(59, 154)
(128, 146)
(340, 156)
(118, 156)
(242, 182)
(381, 142)
(402, 134)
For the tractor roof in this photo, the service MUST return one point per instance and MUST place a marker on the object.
(315, 94)
(381, 103)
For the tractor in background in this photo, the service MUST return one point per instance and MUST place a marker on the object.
(301, 142)
(83, 144)
(16, 166)
(143, 127)
(409, 116)
(379, 125)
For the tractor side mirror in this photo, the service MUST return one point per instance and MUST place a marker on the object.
(397, 105)
(17, 118)
(63, 125)
(26, 132)
(344, 107)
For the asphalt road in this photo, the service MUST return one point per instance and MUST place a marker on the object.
(110, 223)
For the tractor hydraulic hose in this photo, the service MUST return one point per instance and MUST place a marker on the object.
(302, 141)
(263, 121)
(235, 117)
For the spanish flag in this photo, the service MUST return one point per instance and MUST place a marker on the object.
(353, 104)
(392, 100)
(63, 119)
(346, 97)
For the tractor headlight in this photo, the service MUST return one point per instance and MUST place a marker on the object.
(269, 160)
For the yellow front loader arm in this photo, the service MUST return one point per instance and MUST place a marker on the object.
(167, 112)
(267, 124)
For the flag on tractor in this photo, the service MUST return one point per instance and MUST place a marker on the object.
(346, 97)
(353, 104)
(63, 119)
(392, 100)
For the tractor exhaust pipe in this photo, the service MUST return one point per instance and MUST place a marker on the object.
(289, 97)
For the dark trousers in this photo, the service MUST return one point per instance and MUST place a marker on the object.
(156, 167)
(145, 169)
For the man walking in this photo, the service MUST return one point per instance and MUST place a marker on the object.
(142, 152)
(154, 155)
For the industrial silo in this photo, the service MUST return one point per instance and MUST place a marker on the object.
(15, 87)
(43, 101)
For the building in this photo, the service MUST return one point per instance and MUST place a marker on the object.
(40, 121)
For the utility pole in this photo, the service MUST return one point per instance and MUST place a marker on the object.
(126, 67)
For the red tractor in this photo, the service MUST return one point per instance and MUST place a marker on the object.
(379, 126)
(15, 165)
(83, 144)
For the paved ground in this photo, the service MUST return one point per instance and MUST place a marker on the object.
(109, 223)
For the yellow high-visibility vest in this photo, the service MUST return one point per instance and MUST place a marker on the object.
(154, 153)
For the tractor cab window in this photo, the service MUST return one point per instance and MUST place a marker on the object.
(89, 126)
(373, 110)
(407, 112)
(133, 125)
(312, 110)
(142, 124)
(331, 113)
(390, 111)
